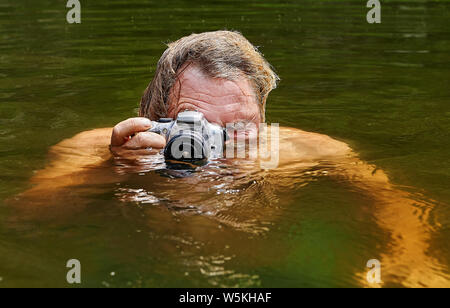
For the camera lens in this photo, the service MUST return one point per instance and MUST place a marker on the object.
(186, 146)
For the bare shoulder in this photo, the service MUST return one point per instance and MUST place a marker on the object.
(99, 137)
(73, 154)
(311, 146)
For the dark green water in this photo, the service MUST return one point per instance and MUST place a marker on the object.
(382, 88)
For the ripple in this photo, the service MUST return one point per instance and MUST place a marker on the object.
(136, 195)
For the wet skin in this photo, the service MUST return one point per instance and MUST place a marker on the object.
(221, 101)
(74, 162)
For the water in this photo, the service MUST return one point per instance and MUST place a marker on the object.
(382, 88)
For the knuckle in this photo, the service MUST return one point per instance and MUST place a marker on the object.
(139, 139)
(115, 136)
(116, 131)
(132, 123)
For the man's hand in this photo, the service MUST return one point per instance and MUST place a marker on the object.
(130, 138)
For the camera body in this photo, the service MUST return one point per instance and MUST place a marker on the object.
(190, 137)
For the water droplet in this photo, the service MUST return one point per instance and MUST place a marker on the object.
(105, 284)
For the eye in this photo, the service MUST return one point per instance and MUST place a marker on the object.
(241, 125)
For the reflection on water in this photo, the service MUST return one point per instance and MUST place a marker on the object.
(382, 88)
(232, 192)
(223, 222)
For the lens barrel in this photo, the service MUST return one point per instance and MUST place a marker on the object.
(188, 145)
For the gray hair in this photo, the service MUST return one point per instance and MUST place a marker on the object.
(220, 54)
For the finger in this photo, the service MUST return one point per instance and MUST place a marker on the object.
(121, 152)
(127, 128)
(145, 140)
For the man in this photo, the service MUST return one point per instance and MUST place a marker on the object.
(223, 76)
(218, 73)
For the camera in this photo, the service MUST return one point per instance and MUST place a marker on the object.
(190, 138)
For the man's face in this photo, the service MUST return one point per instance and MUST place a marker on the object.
(221, 101)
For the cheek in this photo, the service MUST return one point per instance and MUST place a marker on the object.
(250, 132)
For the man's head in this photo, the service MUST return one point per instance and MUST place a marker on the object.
(218, 73)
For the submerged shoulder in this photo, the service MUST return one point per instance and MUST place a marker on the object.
(70, 157)
(86, 148)
(94, 137)
(90, 142)
(312, 145)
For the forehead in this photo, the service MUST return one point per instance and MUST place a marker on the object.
(222, 101)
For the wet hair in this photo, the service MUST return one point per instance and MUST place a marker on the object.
(220, 54)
